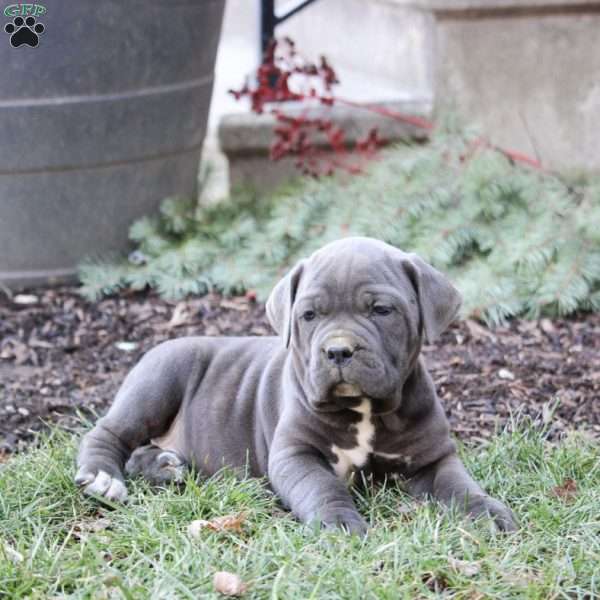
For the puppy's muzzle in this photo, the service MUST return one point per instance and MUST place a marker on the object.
(339, 350)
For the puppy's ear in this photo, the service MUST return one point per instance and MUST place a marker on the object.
(439, 301)
(281, 301)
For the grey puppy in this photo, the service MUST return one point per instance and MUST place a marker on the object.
(342, 389)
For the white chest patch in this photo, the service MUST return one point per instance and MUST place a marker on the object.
(348, 458)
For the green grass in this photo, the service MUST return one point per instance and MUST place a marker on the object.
(75, 547)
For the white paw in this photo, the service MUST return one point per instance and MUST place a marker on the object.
(102, 484)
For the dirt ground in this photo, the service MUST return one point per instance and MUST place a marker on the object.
(62, 357)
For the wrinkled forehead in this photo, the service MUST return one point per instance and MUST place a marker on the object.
(349, 267)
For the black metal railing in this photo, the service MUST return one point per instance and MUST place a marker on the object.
(269, 20)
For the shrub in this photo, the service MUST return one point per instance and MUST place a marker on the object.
(515, 240)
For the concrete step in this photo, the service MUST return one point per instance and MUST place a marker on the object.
(380, 51)
(246, 138)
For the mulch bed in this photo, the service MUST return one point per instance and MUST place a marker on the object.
(62, 356)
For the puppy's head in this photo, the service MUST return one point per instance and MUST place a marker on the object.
(354, 315)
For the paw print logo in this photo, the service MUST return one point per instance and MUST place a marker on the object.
(24, 31)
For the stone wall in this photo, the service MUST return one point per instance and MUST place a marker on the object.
(526, 71)
(380, 50)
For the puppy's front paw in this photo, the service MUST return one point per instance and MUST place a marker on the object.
(347, 520)
(501, 515)
(101, 483)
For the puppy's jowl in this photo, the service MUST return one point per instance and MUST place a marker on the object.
(342, 389)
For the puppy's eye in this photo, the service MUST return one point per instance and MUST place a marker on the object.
(309, 315)
(381, 310)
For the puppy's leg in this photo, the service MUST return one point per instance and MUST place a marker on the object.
(447, 480)
(156, 465)
(143, 409)
(308, 486)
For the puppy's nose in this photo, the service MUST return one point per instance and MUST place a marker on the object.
(339, 355)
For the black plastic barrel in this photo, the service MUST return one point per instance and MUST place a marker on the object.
(99, 122)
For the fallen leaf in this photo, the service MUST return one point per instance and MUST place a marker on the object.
(35, 343)
(126, 346)
(17, 351)
(228, 304)
(113, 580)
(548, 410)
(479, 332)
(506, 374)
(547, 326)
(25, 299)
(466, 568)
(12, 554)
(229, 584)
(224, 523)
(567, 491)
(181, 315)
(522, 577)
(82, 530)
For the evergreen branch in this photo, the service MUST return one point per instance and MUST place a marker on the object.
(515, 241)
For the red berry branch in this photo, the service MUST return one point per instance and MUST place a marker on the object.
(318, 145)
